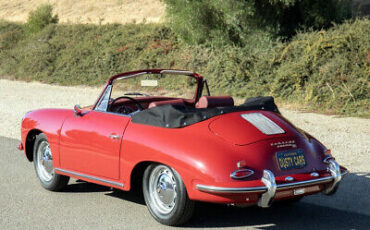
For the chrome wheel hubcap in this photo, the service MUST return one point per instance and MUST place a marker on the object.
(162, 189)
(45, 167)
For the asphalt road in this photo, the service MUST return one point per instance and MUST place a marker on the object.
(24, 204)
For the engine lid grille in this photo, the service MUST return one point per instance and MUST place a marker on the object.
(263, 123)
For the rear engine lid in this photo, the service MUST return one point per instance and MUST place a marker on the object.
(242, 128)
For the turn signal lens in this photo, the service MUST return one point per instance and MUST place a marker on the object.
(328, 152)
(241, 174)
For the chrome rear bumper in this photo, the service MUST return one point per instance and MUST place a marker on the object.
(334, 170)
(269, 190)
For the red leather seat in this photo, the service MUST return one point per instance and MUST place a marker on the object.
(168, 102)
(214, 101)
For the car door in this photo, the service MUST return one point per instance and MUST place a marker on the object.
(90, 144)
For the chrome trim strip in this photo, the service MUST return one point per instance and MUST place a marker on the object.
(131, 76)
(305, 183)
(89, 177)
(179, 72)
(215, 189)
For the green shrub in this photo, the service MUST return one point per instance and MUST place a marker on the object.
(11, 33)
(234, 21)
(196, 21)
(40, 18)
(328, 69)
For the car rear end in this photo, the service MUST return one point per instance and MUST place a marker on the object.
(270, 160)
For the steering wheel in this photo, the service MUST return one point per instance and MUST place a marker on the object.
(126, 110)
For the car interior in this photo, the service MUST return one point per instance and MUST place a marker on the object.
(159, 91)
(124, 105)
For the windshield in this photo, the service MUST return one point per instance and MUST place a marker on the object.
(167, 85)
(133, 93)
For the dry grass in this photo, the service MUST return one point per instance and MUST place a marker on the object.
(88, 11)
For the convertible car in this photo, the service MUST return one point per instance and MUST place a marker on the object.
(161, 131)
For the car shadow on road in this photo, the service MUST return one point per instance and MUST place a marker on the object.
(132, 196)
(349, 208)
(298, 216)
(313, 212)
(80, 186)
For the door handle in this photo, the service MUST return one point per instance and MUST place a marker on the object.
(114, 136)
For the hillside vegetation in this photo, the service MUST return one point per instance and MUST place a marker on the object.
(325, 70)
(235, 21)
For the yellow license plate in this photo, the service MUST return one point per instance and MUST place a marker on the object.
(292, 159)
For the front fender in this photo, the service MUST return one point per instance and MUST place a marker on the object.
(47, 121)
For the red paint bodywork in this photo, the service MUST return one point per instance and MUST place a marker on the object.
(203, 153)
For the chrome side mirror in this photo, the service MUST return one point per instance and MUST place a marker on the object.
(77, 110)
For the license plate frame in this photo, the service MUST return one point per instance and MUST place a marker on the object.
(291, 159)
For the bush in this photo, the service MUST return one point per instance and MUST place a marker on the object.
(40, 18)
(11, 33)
(196, 21)
(234, 21)
(328, 69)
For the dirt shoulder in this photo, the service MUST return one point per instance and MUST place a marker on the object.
(348, 138)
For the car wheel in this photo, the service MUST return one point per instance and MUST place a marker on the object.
(165, 195)
(43, 162)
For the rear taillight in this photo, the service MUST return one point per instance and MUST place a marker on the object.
(327, 159)
(241, 174)
(327, 156)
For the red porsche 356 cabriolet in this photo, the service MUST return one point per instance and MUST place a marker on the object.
(180, 148)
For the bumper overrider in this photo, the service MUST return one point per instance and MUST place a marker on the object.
(270, 187)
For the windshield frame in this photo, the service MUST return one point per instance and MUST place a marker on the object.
(133, 74)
